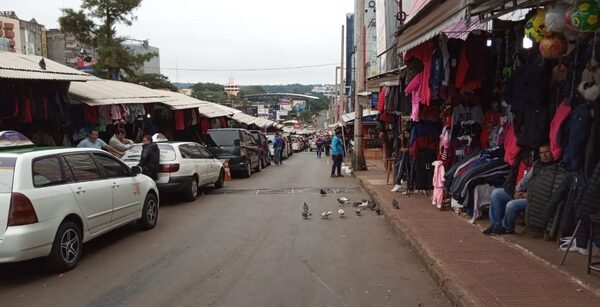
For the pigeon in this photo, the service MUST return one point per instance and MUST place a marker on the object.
(395, 204)
(42, 64)
(356, 203)
(343, 200)
(326, 214)
(357, 211)
(341, 212)
(305, 212)
(323, 192)
(378, 211)
(364, 205)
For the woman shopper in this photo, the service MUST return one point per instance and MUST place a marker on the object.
(402, 160)
(337, 154)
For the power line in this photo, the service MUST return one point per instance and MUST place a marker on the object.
(247, 69)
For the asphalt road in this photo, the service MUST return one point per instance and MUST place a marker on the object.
(246, 245)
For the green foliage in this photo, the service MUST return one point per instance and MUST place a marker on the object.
(251, 90)
(154, 81)
(306, 115)
(318, 105)
(95, 26)
(209, 92)
(295, 88)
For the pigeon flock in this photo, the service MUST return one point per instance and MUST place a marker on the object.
(358, 206)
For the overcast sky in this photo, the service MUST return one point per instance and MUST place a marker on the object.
(228, 34)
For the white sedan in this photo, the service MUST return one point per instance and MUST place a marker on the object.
(54, 200)
(184, 166)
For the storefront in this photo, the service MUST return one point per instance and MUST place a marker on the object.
(34, 99)
(484, 92)
(371, 130)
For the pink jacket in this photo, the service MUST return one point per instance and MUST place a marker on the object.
(438, 174)
(414, 88)
(562, 113)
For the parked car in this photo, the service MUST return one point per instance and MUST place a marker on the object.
(261, 139)
(52, 200)
(296, 143)
(312, 144)
(184, 166)
(237, 146)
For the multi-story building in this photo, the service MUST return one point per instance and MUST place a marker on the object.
(10, 32)
(66, 49)
(151, 66)
(21, 36)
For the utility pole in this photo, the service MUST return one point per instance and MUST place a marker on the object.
(335, 97)
(358, 159)
(342, 84)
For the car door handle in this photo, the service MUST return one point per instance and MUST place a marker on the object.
(80, 190)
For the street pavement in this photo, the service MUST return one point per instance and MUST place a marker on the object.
(245, 245)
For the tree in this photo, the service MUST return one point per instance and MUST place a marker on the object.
(251, 90)
(306, 115)
(95, 25)
(209, 92)
(154, 81)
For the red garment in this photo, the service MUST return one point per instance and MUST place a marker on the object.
(562, 112)
(511, 149)
(90, 115)
(204, 126)
(26, 117)
(490, 119)
(179, 120)
(423, 52)
(523, 166)
(474, 62)
(223, 121)
(381, 100)
(423, 142)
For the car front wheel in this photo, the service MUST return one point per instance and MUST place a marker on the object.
(221, 180)
(149, 213)
(66, 248)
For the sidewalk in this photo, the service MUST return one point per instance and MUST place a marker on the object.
(476, 270)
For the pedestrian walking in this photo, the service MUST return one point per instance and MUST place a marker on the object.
(277, 145)
(150, 159)
(319, 144)
(337, 154)
(327, 144)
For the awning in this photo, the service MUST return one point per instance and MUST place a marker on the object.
(348, 117)
(489, 9)
(431, 22)
(97, 92)
(28, 67)
(178, 101)
(253, 120)
(388, 78)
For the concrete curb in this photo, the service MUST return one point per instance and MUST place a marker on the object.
(452, 289)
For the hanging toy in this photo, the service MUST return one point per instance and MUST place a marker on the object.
(555, 18)
(553, 46)
(584, 16)
(535, 27)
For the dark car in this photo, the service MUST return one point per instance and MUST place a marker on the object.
(237, 146)
(263, 146)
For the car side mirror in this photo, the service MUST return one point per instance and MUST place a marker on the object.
(136, 170)
(236, 143)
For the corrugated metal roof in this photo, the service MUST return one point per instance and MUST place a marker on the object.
(21, 66)
(350, 116)
(178, 101)
(96, 92)
(252, 120)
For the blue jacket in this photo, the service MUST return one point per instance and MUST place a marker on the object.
(337, 148)
(277, 143)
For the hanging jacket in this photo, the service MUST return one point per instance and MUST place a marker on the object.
(423, 52)
(562, 112)
(589, 204)
(414, 89)
(511, 147)
(578, 133)
(437, 75)
(532, 126)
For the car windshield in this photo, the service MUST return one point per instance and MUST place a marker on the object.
(134, 153)
(7, 170)
(223, 137)
(256, 136)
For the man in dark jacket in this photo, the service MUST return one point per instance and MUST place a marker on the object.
(505, 207)
(149, 162)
